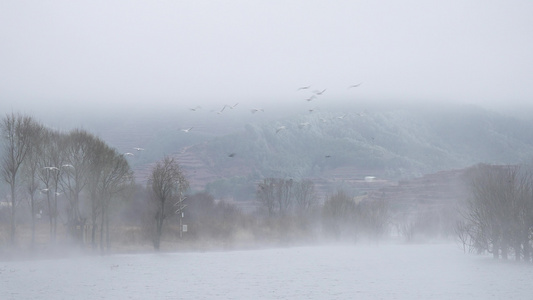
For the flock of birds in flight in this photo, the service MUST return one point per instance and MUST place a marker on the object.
(314, 95)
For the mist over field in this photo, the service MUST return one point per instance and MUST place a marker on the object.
(383, 222)
(433, 271)
(288, 150)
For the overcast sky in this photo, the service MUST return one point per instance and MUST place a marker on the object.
(185, 52)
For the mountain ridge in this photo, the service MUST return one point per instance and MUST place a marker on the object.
(388, 143)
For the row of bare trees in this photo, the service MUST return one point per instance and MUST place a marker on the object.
(17, 132)
(75, 167)
(341, 215)
(498, 217)
(75, 178)
(281, 196)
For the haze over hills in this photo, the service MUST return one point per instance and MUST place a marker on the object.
(336, 146)
(297, 123)
(411, 156)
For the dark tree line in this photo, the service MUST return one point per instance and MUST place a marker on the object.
(75, 181)
(340, 216)
(212, 219)
(343, 216)
(283, 196)
(498, 217)
(74, 171)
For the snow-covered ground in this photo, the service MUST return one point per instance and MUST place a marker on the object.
(429, 271)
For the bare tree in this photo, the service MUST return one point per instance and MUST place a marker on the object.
(338, 214)
(498, 215)
(17, 133)
(524, 208)
(283, 191)
(78, 155)
(116, 175)
(484, 208)
(265, 195)
(373, 217)
(276, 194)
(167, 181)
(31, 169)
(50, 161)
(462, 232)
(99, 156)
(97, 162)
(305, 195)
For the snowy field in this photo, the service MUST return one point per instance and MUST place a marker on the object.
(431, 271)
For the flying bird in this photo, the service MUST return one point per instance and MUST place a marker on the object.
(67, 166)
(341, 117)
(51, 168)
(232, 155)
(310, 98)
(355, 85)
(224, 107)
(304, 88)
(318, 93)
(280, 128)
(187, 130)
(138, 149)
(128, 154)
(232, 107)
(254, 110)
(195, 108)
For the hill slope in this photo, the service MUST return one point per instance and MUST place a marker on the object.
(339, 148)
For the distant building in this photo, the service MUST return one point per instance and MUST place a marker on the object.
(370, 178)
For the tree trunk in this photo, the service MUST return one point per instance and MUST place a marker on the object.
(32, 205)
(159, 228)
(526, 250)
(93, 220)
(504, 246)
(54, 205)
(12, 221)
(49, 212)
(77, 234)
(93, 231)
(107, 241)
(517, 251)
(495, 249)
(102, 232)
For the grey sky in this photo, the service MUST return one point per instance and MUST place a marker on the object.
(196, 51)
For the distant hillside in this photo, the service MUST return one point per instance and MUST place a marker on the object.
(336, 148)
(392, 144)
